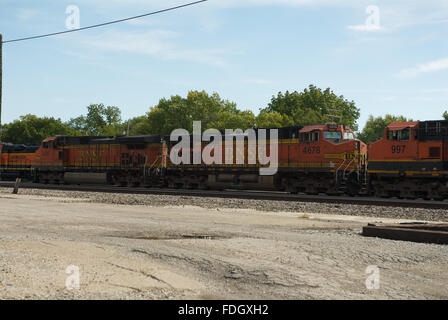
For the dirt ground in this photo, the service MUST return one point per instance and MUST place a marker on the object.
(143, 252)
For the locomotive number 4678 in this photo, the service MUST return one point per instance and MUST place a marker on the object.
(311, 150)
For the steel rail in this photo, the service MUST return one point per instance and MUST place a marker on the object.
(242, 194)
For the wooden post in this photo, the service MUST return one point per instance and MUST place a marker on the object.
(1, 77)
(16, 186)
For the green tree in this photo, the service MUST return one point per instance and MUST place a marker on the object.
(100, 120)
(211, 110)
(137, 126)
(313, 105)
(445, 115)
(233, 120)
(273, 120)
(31, 129)
(374, 128)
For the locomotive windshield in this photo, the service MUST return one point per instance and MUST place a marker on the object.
(349, 136)
(333, 136)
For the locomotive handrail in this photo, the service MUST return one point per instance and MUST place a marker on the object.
(144, 166)
(152, 165)
(348, 165)
(337, 170)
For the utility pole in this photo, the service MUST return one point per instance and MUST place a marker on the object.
(1, 77)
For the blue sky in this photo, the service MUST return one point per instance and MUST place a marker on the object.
(246, 50)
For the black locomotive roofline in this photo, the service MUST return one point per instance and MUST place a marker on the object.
(283, 133)
(73, 140)
(291, 132)
(433, 130)
(18, 148)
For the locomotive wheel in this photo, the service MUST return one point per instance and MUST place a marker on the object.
(288, 186)
(407, 194)
(381, 192)
(353, 189)
(311, 190)
(435, 195)
(291, 189)
(332, 192)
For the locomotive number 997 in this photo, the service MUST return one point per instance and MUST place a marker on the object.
(398, 148)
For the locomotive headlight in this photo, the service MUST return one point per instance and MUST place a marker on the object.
(356, 145)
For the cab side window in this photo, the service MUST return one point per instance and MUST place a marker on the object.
(45, 145)
(304, 137)
(399, 135)
(405, 134)
(309, 136)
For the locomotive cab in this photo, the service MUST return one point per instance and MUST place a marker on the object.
(333, 138)
(409, 161)
(334, 149)
(49, 153)
(399, 142)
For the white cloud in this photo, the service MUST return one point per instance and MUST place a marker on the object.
(395, 13)
(25, 14)
(258, 81)
(431, 66)
(365, 27)
(388, 98)
(224, 3)
(435, 90)
(161, 44)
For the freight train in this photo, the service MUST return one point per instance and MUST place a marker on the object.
(16, 160)
(410, 161)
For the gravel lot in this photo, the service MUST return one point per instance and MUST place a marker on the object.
(166, 247)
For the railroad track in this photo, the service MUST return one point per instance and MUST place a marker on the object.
(241, 194)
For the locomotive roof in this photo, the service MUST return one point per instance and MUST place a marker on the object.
(326, 126)
(18, 148)
(402, 125)
(313, 127)
(140, 139)
(283, 133)
(431, 130)
(72, 140)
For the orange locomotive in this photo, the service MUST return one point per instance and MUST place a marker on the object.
(410, 161)
(16, 160)
(312, 159)
(100, 160)
(326, 158)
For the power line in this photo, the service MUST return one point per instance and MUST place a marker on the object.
(107, 23)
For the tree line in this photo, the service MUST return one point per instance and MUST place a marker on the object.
(311, 106)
